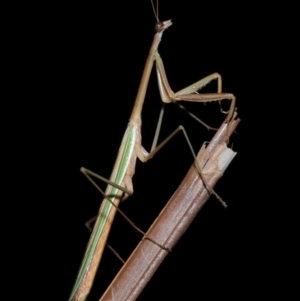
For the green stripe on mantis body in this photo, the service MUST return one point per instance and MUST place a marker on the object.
(123, 162)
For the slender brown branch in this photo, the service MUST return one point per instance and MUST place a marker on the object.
(174, 219)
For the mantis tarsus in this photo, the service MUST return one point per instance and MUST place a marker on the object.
(120, 181)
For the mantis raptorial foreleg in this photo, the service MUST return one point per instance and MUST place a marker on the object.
(190, 93)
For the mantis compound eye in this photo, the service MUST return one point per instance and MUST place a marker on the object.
(158, 27)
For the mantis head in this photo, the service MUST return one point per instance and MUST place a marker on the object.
(161, 26)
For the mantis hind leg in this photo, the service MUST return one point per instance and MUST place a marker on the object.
(127, 192)
(88, 174)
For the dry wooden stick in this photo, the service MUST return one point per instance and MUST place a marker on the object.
(174, 219)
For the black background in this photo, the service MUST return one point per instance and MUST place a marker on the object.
(86, 64)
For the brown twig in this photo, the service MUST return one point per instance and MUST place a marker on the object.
(174, 219)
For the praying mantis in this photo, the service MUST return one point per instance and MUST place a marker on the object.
(120, 184)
